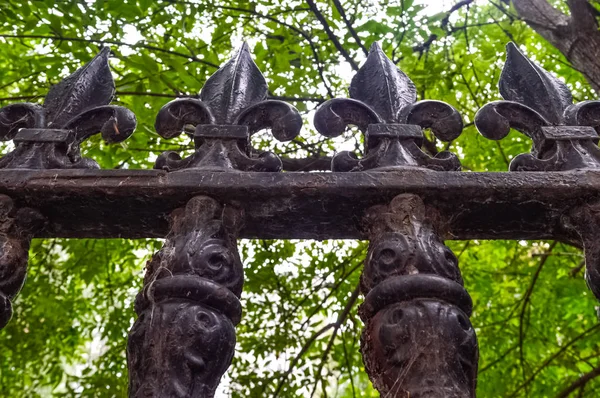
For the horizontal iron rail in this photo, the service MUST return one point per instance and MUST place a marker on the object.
(136, 203)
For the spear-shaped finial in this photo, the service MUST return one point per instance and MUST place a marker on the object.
(383, 106)
(233, 105)
(48, 136)
(540, 106)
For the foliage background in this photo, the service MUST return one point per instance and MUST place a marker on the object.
(536, 321)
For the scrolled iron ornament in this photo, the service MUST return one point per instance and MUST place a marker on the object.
(17, 226)
(48, 136)
(417, 341)
(564, 135)
(383, 105)
(184, 338)
(232, 107)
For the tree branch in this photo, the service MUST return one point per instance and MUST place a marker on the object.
(330, 34)
(303, 350)
(541, 14)
(526, 300)
(293, 28)
(552, 358)
(580, 382)
(423, 47)
(351, 29)
(114, 42)
(341, 319)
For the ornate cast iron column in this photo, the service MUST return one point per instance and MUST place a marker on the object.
(17, 226)
(418, 341)
(184, 338)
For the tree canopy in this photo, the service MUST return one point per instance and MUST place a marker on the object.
(536, 322)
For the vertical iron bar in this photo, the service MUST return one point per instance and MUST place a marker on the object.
(418, 341)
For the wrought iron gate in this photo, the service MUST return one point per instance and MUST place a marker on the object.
(399, 197)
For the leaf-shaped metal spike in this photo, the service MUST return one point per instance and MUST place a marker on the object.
(495, 119)
(234, 87)
(441, 118)
(48, 136)
(381, 85)
(115, 123)
(383, 107)
(90, 86)
(565, 136)
(527, 83)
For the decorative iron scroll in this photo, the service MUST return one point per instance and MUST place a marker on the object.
(184, 338)
(565, 135)
(233, 105)
(48, 136)
(17, 226)
(418, 341)
(383, 106)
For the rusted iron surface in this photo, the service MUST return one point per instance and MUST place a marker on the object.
(136, 203)
(403, 196)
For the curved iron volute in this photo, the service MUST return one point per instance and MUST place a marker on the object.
(564, 135)
(383, 106)
(48, 136)
(418, 341)
(233, 105)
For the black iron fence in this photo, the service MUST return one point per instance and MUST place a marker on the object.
(403, 197)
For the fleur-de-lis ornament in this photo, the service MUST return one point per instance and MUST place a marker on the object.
(233, 105)
(383, 105)
(48, 136)
(565, 135)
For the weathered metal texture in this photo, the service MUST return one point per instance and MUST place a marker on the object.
(383, 106)
(137, 203)
(17, 226)
(565, 135)
(48, 136)
(232, 107)
(418, 341)
(184, 338)
(585, 221)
